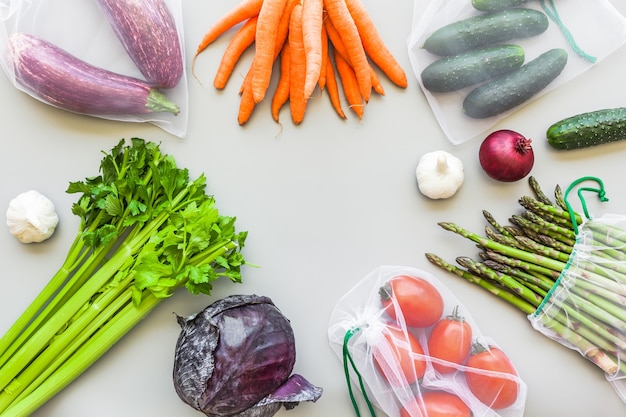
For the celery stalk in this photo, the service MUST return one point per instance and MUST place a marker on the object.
(80, 361)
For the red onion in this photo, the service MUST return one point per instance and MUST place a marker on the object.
(506, 155)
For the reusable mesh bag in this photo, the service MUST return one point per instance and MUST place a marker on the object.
(588, 31)
(82, 29)
(586, 308)
(386, 350)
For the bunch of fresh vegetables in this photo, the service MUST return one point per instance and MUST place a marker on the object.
(529, 263)
(474, 50)
(416, 351)
(148, 32)
(318, 43)
(146, 229)
(235, 358)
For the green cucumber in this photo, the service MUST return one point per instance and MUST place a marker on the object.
(463, 70)
(514, 88)
(493, 5)
(486, 29)
(588, 129)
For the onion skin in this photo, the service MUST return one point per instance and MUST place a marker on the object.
(59, 78)
(506, 155)
(148, 32)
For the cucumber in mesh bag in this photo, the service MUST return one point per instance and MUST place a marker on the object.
(486, 29)
(515, 88)
(463, 70)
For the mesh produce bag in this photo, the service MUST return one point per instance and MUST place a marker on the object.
(586, 308)
(81, 29)
(407, 344)
(575, 33)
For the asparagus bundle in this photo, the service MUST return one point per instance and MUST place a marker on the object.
(566, 271)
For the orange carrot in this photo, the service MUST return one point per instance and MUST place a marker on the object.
(313, 10)
(346, 28)
(335, 39)
(324, 66)
(374, 45)
(333, 89)
(283, 27)
(281, 94)
(376, 85)
(297, 66)
(281, 44)
(350, 85)
(340, 48)
(266, 32)
(282, 31)
(237, 45)
(281, 37)
(243, 11)
(247, 103)
(247, 80)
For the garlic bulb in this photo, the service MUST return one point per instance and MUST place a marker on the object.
(439, 174)
(31, 217)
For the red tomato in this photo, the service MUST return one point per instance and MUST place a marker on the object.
(420, 303)
(496, 392)
(450, 340)
(403, 346)
(439, 404)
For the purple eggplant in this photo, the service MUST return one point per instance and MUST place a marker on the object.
(59, 78)
(148, 32)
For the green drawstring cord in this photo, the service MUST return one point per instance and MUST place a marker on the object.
(601, 196)
(572, 215)
(554, 15)
(347, 358)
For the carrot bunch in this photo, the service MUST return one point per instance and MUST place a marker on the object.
(330, 44)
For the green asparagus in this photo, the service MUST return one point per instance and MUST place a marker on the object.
(524, 264)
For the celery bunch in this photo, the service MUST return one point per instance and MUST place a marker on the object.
(146, 229)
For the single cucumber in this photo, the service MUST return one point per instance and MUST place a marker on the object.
(493, 5)
(463, 70)
(486, 29)
(514, 88)
(588, 129)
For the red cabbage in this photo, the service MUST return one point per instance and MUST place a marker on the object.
(235, 358)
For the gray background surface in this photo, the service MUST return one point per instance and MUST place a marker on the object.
(325, 203)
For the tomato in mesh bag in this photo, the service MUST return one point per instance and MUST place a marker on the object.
(418, 300)
(437, 404)
(450, 340)
(418, 365)
(405, 355)
(496, 391)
